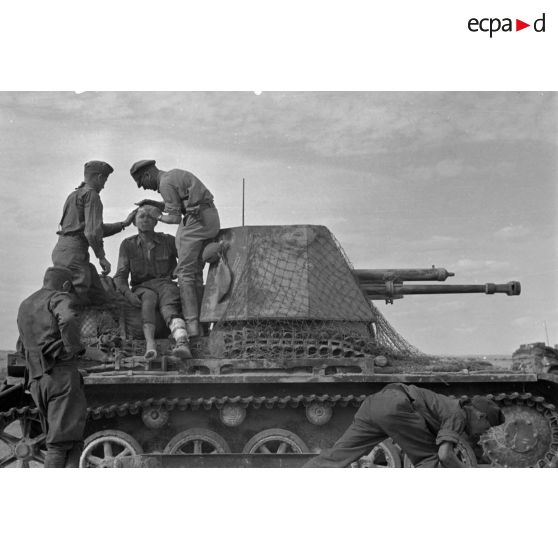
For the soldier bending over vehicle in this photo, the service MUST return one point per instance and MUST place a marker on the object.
(425, 424)
(150, 258)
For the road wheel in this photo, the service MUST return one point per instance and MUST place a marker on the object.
(275, 440)
(101, 448)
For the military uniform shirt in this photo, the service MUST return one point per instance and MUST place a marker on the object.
(443, 415)
(181, 189)
(48, 329)
(83, 215)
(143, 262)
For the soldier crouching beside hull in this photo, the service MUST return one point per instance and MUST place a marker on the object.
(150, 258)
(49, 337)
(425, 424)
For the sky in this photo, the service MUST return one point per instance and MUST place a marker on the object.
(465, 181)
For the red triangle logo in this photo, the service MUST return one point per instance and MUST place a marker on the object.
(519, 25)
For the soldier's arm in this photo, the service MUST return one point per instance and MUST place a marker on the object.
(449, 413)
(62, 307)
(93, 211)
(172, 207)
(122, 274)
(123, 270)
(447, 457)
(112, 228)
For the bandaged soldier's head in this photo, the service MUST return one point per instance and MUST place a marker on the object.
(146, 218)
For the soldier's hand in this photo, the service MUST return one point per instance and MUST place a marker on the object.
(133, 299)
(128, 221)
(159, 205)
(105, 264)
(447, 456)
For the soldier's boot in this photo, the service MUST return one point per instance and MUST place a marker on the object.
(150, 345)
(189, 301)
(178, 330)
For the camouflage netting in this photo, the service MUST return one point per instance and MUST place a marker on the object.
(117, 319)
(294, 296)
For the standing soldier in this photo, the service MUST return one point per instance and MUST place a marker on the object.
(188, 203)
(82, 227)
(150, 259)
(49, 339)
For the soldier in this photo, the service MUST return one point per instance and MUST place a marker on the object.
(425, 424)
(189, 203)
(82, 227)
(150, 257)
(49, 339)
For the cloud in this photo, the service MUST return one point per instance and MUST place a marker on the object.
(512, 232)
(353, 126)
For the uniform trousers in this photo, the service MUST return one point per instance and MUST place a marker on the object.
(388, 413)
(60, 398)
(72, 251)
(191, 237)
(159, 294)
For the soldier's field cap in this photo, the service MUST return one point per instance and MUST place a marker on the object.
(93, 167)
(58, 274)
(494, 414)
(140, 165)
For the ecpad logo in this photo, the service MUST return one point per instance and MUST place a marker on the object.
(494, 24)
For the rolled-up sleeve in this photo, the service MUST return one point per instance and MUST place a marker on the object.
(173, 203)
(93, 213)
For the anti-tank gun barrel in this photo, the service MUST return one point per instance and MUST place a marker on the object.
(414, 274)
(388, 284)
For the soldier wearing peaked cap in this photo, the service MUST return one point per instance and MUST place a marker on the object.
(188, 203)
(49, 339)
(82, 227)
(426, 425)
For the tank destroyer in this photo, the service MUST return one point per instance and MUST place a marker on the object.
(292, 344)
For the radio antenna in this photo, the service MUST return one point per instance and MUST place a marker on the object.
(243, 202)
(546, 331)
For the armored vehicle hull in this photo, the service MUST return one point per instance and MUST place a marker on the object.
(292, 347)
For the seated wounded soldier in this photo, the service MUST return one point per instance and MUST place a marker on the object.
(150, 258)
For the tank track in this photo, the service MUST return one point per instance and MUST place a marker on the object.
(527, 400)
(207, 403)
